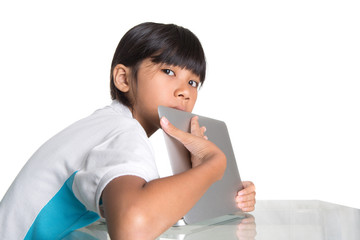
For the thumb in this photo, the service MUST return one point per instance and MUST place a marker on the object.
(200, 148)
(172, 130)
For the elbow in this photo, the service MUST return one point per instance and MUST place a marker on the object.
(140, 225)
(135, 224)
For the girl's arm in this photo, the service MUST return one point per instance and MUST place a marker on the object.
(135, 209)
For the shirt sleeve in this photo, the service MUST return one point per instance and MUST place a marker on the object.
(126, 153)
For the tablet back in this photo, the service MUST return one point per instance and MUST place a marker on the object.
(220, 197)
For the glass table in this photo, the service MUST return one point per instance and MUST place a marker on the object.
(272, 219)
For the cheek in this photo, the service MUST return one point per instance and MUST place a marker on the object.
(195, 97)
(155, 97)
(160, 97)
(193, 101)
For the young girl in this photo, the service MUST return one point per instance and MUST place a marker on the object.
(103, 165)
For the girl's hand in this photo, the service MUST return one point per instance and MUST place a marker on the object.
(202, 151)
(245, 198)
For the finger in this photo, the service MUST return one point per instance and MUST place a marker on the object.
(245, 198)
(247, 206)
(246, 202)
(248, 209)
(247, 183)
(249, 203)
(193, 143)
(249, 187)
(203, 130)
(195, 127)
(172, 130)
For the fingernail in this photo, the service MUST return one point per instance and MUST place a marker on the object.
(164, 121)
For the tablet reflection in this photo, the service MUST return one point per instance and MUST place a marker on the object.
(232, 227)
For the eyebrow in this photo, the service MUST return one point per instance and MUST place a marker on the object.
(193, 77)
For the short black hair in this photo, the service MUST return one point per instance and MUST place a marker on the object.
(162, 43)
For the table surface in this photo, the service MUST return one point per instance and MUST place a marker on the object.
(272, 219)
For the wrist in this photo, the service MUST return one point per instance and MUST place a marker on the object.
(216, 165)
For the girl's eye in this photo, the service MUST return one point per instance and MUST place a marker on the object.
(168, 72)
(194, 83)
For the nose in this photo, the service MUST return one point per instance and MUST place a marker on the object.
(182, 92)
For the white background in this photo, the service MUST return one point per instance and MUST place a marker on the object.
(284, 75)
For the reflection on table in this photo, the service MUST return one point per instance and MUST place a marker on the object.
(310, 220)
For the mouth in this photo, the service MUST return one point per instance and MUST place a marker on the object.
(179, 108)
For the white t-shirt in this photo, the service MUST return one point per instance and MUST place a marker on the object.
(59, 188)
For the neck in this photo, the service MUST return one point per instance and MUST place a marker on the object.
(149, 128)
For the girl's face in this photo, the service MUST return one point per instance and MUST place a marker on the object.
(161, 84)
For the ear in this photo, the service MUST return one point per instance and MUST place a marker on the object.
(121, 76)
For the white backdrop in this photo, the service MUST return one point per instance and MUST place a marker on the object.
(284, 75)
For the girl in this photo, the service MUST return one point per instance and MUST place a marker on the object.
(103, 165)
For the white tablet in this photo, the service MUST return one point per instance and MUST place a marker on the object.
(220, 197)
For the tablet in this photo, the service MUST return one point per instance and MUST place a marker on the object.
(219, 199)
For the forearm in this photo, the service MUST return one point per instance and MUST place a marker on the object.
(178, 194)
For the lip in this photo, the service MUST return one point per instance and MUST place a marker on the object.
(179, 108)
